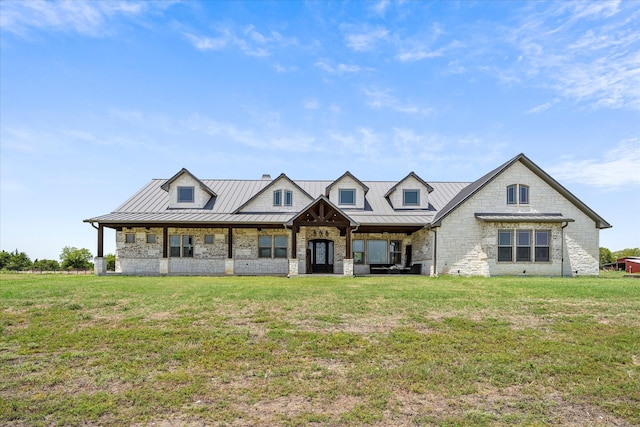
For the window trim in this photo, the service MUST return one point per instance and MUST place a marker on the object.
(342, 191)
(540, 246)
(522, 187)
(512, 194)
(151, 238)
(515, 193)
(130, 238)
(182, 244)
(277, 198)
(209, 237)
(277, 248)
(404, 197)
(528, 233)
(508, 232)
(517, 249)
(288, 198)
(262, 247)
(184, 200)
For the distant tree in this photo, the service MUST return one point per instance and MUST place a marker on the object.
(18, 261)
(627, 252)
(606, 257)
(72, 257)
(46, 265)
(4, 259)
(111, 262)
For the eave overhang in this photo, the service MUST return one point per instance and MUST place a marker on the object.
(523, 217)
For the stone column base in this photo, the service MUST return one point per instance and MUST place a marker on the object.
(99, 266)
(347, 266)
(164, 265)
(293, 267)
(229, 266)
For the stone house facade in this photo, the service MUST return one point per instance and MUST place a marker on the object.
(514, 220)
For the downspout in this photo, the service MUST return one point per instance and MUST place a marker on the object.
(562, 247)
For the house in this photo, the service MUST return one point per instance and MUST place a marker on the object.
(514, 220)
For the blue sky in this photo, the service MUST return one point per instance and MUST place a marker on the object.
(97, 98)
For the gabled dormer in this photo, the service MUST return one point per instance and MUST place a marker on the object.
(412, 192)
(186, 191)
(347, 192)
(280, 195)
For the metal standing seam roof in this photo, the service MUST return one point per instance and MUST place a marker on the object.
(150, 204)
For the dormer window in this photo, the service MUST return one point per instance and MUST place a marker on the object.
(411, 197)
(518, 194)
(347, 196)
(185, 195)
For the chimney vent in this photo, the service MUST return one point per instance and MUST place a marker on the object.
(266, 177)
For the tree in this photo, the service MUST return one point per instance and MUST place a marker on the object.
(72, 257)
(46, 265)
(111, 262)
(5, 257)
(627, 252)
(606, 257)
(17, 261)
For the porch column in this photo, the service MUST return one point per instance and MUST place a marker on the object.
(100, 240)
(293, 261)
(229, 264)
(347, 268)
(99, 263)
(164, 261)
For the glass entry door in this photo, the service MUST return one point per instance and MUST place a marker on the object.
(320, 252)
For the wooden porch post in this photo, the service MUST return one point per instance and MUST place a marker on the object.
(230, 243)
(348, 243)
(294, 242)
(165, 241)
(100, 240)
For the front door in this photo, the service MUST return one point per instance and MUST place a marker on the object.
(321, 256)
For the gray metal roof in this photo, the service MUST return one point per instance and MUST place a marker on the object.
(150, 204)
(523, 217)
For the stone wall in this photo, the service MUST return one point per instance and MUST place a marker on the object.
(468, 246)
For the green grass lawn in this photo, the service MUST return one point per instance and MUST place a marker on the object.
(244, 351)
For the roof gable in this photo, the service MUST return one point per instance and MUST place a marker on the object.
(411, 175)
(278, 181)
(322, 212)
(184, 171)
(347, 174)
(477, 185)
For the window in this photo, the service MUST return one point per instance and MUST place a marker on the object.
(347, 196)
(151, 238)
(288, 198)
(358, 251)
(511, 195)
(280, 246)
(174, 246)
(130, 238)
(505, 245)
(542, 246)
(524, 194)
(185, 195)
(264, 247)
(181, 246)
(208, 239)
(377, 251)
(187, 246)
(411, 197)
(277, 198)
(395, 252)
(518, 194)
(523, 245)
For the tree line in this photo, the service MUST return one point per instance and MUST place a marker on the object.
(71, 258)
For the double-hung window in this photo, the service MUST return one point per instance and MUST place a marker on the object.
(505, 245)
(181, 246)
(264, 246)
(276, 245)
(279, 246)
(358, 251)
(542, 246)
(277, 198)
(523, 245)
(347, 196)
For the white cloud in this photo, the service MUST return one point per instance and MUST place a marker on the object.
(383, 99)
(84, 17)
(618, 167)
(542, 107)
(311, 104)
(207, 43)
(365, 39)
(249, 41)
(338, 69)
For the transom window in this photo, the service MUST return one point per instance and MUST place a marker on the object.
(347, 196)
(185, 195)
(518, 194)
(526, 249)
(411, 197)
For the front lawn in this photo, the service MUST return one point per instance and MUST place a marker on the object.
(245, 351)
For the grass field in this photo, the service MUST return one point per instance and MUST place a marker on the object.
(326, 351)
